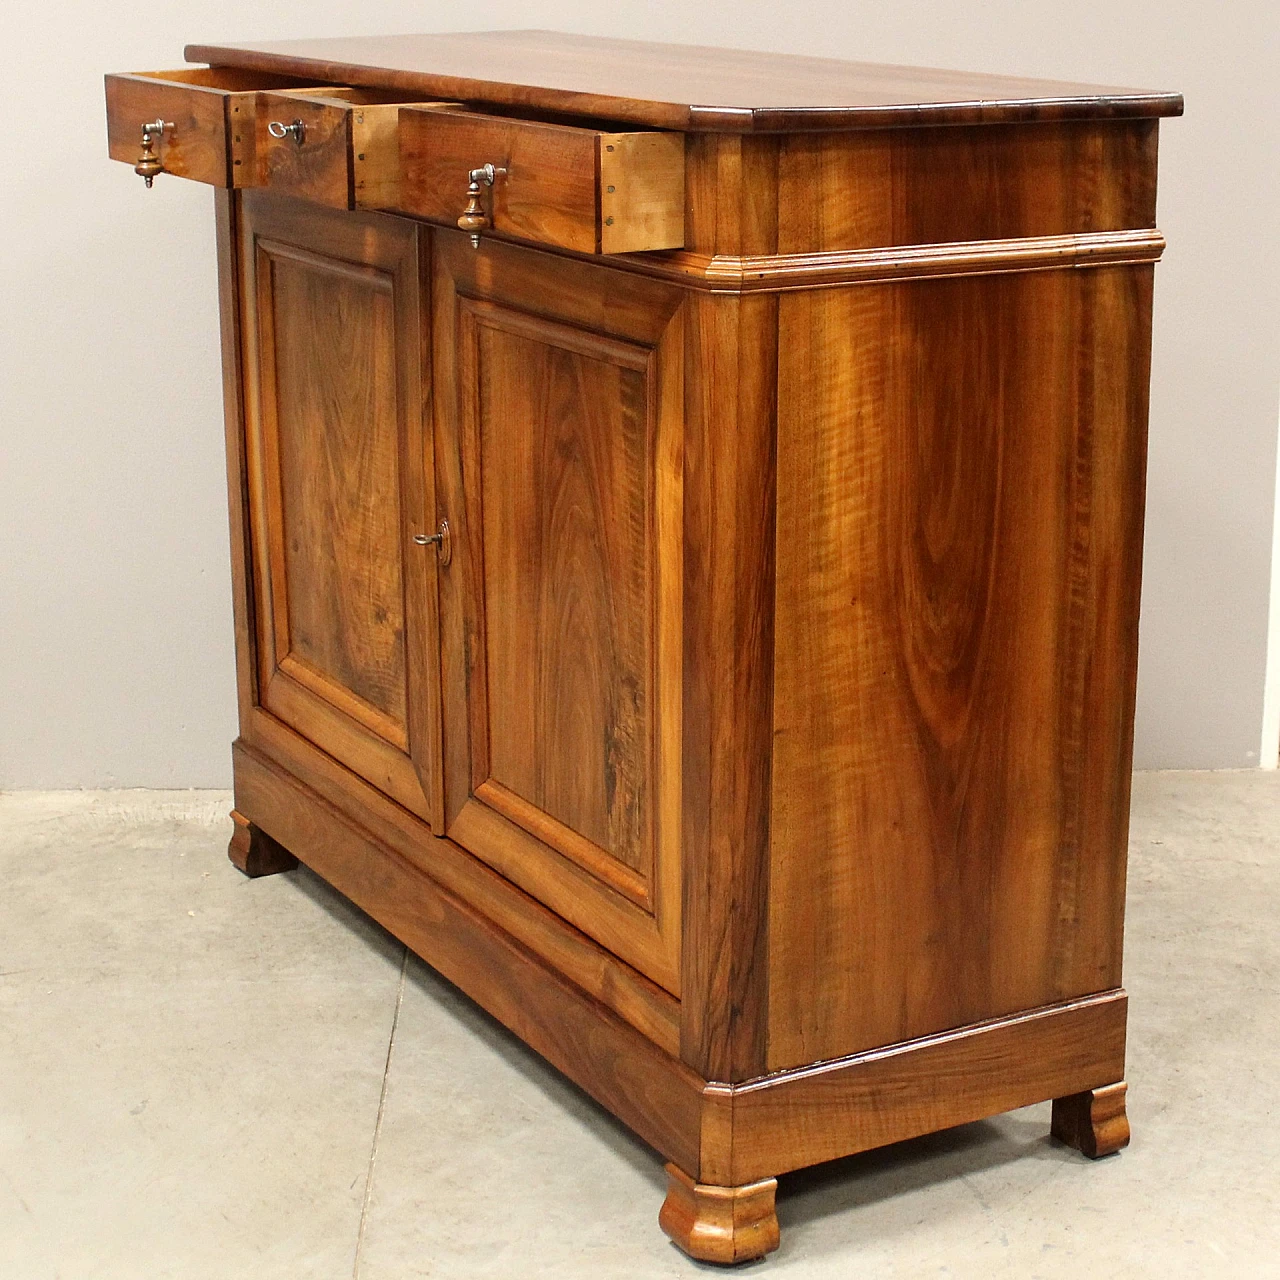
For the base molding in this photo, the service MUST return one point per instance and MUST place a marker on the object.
(804, 1116)
(718, 1135)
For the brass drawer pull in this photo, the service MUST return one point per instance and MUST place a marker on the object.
(474, 218)
(297, 130)
(149, 165)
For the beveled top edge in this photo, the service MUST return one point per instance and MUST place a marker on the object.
(687, 87)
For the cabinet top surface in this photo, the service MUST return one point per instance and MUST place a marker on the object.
(683, 86)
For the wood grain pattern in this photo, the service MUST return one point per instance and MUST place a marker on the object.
(338, 480)
(730, 489)
(788, 272)
(837, 1108)
(557, 418)
(720, 1224)
(555, 184)
(320, 168)
(208, 109)
(546, 185)
(566, 479)
(653, 1093)
(960, 484)
(1093, 1121)
(669, 86)
(616, 985)
(254, 852)
(996, 182)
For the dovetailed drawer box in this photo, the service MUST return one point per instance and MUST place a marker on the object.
(583, 189)
(686, 517)
(337, 146)
(207, 118)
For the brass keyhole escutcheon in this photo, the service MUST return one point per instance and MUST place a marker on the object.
(440, 540)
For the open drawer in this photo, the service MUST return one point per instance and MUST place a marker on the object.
(337, 146)
(200, 122)
(584, 189)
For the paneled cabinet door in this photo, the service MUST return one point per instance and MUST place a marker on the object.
(339, 478)
(558, 412)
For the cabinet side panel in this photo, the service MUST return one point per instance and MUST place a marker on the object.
(960, 497)
(932, 186)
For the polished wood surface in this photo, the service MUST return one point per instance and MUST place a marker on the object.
(580, 189)
(720, 1136)
(1094, 1121)
(756, 747)
(558, 426)
(886, 1095)
(672, 86)
(209, 116)
(338, 487)
(720, 1224)
(956, 651)
(649, 1090)
(319, 166)
(254, 852)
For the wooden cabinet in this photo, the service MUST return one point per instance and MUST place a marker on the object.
(687, 558)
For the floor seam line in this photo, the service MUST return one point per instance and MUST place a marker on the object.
(377, 1124)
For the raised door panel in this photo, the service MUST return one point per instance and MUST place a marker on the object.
(339, 484)
(558, 438)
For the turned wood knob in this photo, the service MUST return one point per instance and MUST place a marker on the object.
(149, 164)
(474, 218)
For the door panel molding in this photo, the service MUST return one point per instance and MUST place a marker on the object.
(558, 436)
(347, 612)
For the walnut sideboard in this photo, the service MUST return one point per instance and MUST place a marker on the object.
(686, 521)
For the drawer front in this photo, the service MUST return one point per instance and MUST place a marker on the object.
(580, 189)
(304, 147)
(208, 115)
(337, 146)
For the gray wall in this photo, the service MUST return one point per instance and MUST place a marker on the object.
(115, 621)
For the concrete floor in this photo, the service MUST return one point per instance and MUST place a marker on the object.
(205, 1076)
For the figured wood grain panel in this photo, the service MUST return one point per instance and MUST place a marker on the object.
(566, 480)
(937, 186)
(960, 496)
(558, 443)
(338, 441)
(339, 480)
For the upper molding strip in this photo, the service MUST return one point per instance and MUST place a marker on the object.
(686, 87)
(784, 272)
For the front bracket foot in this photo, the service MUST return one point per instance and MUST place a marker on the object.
(720, 1224)
(1094, 1122)
(256, 853)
